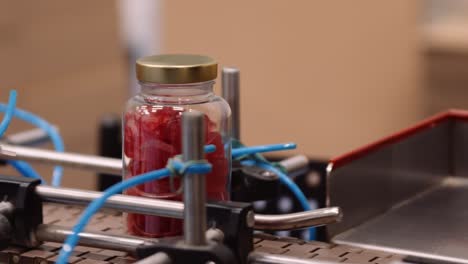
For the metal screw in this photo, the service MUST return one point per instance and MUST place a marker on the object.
(312, 179)
(215, 235)
(268, 174)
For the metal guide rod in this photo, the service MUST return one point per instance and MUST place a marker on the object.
(29, 137)
(298, 220)
(90, 162)
(230, 83)
(295, 163)
(58, 234)
(158, 207)
(97, 163)
(124, 203)
(263, 258)
(193, 140)
(53, 233)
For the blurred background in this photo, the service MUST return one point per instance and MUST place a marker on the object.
(329, 75)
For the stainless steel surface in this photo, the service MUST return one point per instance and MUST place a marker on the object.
(53, 233)
(230, 83)
(124, 203)
(158, 258)
(27, 138)
(294, 163)
(193, 141)
(408, 197)
(431, 225)
(150, 206)
(460, 149)
(89, 162)
(299, 220)
(262, 258)
(374, 183)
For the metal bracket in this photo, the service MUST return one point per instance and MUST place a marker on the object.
(26, 212)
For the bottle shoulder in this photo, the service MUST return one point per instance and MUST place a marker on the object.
(180, 101)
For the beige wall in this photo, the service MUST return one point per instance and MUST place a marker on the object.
(447, 80)
(65, 60)
(330, 75)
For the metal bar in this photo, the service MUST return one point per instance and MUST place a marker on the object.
(263, 258)
(231, 92)
(97, 163)
(89, 162)
(53, 233)
(27, 138)
(299, 220)
(158, 207)
(124, 203)
(193, 140)
(295, 163)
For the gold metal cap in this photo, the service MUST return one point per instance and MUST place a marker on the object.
(176, 69)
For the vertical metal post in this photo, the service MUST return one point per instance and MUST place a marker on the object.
(193, 137)
(231, 86)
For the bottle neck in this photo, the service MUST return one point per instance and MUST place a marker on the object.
(177, 93)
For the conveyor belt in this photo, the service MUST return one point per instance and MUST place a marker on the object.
(111, 222)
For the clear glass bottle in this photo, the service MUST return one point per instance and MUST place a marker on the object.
(170, 85)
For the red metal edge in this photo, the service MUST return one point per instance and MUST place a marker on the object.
(425, 124)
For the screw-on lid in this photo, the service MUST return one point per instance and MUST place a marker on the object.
(176, 69)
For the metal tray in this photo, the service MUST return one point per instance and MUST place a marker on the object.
(407, 193)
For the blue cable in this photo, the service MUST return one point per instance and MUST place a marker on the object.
(237, 152)
(209, 148)
(261, 162)
(292, 186)
(9, 110)
(20, 166)
(181, 168)
(49, 129)
(95, 205)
